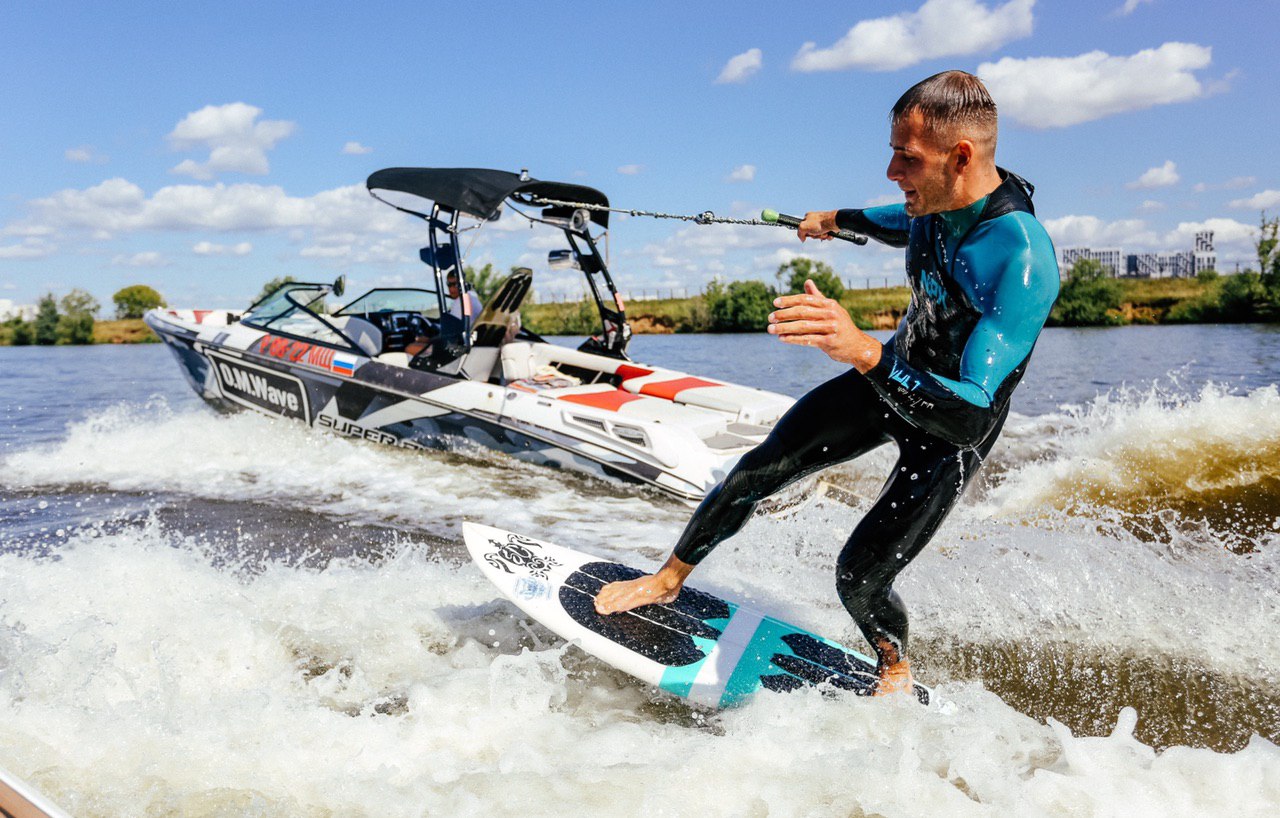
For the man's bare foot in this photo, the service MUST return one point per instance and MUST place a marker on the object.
(617, 597)
(653, 589)
(895, 678)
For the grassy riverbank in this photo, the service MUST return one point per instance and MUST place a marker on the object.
(128, 331)
(1143, 301)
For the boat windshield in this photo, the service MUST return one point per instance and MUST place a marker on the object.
(292, 310)
(425, 302)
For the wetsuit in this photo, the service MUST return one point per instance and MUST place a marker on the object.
(982, 280)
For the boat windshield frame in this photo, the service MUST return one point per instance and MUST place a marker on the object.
(285, 292)
(433, 297)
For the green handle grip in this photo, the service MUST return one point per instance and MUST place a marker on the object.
(774, 217)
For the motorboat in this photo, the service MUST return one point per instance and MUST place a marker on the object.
(420, 368)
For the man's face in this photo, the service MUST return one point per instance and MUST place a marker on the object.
(921, 167)
(453, 286)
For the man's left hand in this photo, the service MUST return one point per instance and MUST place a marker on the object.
(812, 319)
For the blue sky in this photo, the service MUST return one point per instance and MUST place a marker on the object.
(204, 149)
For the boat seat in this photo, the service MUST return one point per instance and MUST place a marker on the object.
(365, 334)
(522, 359)
(749, 405)
(395, 358)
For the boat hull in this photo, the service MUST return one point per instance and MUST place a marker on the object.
(235, 368)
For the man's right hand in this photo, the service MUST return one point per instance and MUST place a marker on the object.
(818, 224)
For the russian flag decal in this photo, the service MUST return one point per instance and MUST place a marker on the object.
(343, 364)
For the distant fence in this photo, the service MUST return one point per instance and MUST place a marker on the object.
(664, 293)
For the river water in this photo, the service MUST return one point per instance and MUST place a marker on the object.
(226, 615)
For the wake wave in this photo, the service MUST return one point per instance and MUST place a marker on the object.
(1204, 466)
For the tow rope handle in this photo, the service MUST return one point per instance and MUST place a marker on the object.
(774, 217)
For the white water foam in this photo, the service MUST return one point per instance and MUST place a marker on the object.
(999, 569)
(138, 679)
(255, 458)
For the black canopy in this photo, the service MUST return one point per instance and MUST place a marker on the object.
(480, 191)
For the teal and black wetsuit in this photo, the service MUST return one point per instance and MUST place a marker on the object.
(982, 279)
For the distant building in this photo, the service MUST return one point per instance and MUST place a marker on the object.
(1182, 264)
(1111, 258)
(1204, 257)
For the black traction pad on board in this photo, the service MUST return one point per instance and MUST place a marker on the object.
(661, 633)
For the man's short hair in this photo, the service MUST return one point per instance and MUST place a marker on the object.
(955, 105)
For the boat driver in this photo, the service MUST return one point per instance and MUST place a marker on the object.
(983, 276)
(456, 307)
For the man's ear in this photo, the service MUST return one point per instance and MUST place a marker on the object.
(962, 155)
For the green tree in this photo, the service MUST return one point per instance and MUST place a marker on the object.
(75, 324)
(1268, 248)
(135, 300)
(271, 286)
(1207, 276)
(1241, 297)
(793, 274)
(741, 306)
(485, 280)
(17, 332)
(1088, 298)
(45, 329)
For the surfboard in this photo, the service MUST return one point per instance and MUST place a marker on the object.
(702, 648)
(18, 799)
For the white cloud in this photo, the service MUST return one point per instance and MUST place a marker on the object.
(1090, 231)
(1054, 92)
(375, 234)
(740, 68)
(206, 248)
(742, 173)
(1151, 206)
(1234, 183)
(118, 205)
(29, 248)
(886, 199)
(1229, 235)
(317, 251)
(147, 259)
(236, 139)
(940, 28)
(1259, 201)
(1134, 235)
(84, 155)
(355, 149)
(546, 240)
(1131, 5)
(630, 170)
(1159, 176)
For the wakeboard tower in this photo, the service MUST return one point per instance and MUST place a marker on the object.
(482, 380)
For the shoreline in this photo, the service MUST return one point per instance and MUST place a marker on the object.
(1144, 302)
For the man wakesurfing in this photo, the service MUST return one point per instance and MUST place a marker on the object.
(983, 276)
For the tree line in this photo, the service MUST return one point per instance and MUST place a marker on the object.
(70, 319)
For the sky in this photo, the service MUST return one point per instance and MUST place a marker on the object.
(204, 149)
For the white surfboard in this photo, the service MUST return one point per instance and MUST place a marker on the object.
(702, 648)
